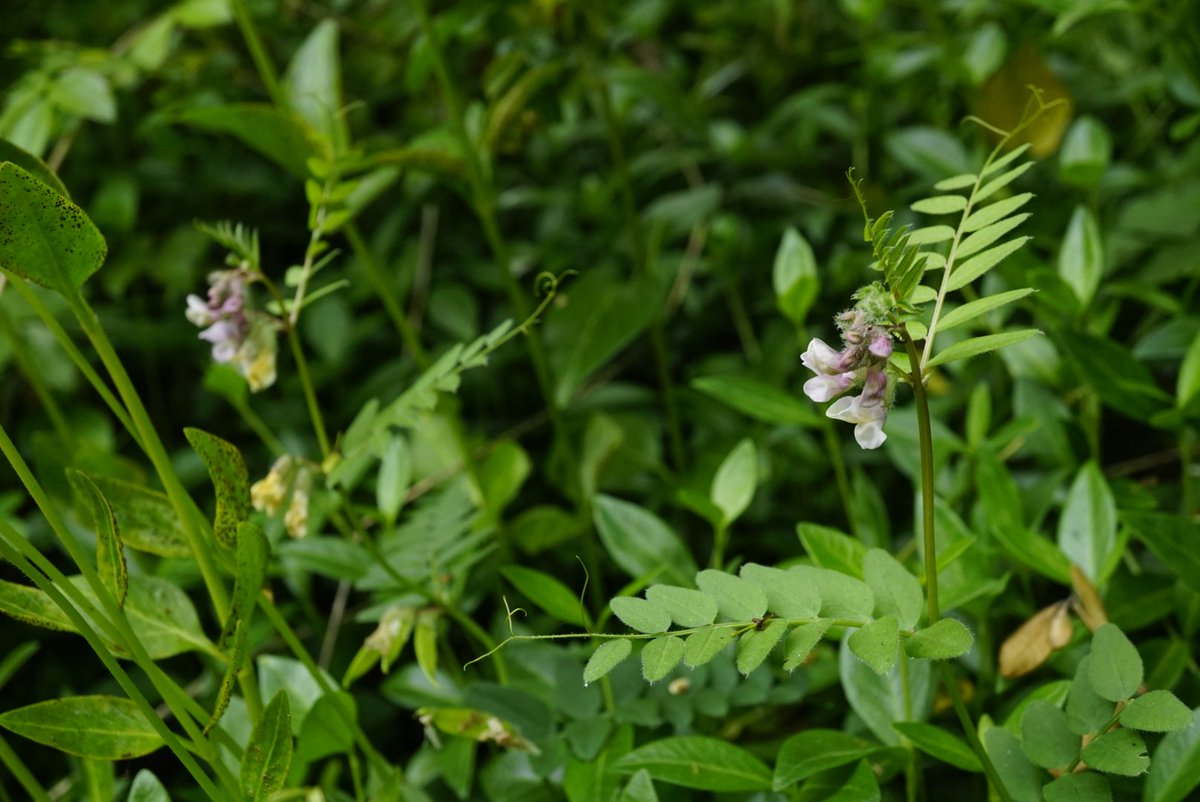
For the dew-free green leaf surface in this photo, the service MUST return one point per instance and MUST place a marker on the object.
(816, 750)
(94, 727)
(695, 761)
(640, 543)
(940, 744)
(1115, 671)
(269, 753)
(607, 656)
(231, 482)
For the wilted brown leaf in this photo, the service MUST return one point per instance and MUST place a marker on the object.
(1086, 601)
(1032, 644)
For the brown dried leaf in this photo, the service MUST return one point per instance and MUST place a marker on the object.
(1036, 639)
(1086, 601)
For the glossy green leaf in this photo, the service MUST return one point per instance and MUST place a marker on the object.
(268, 754)
(640, 543)
(1175, 770)
(788, 595)
(275, 134)
(1085, 787)
(94, 727)
(687, 608)
(735, 481)
(695, 761)
(795, 276)
(759, 400)
(607, 656)
(230, 479)
(660, 656)
(1045, 736)
(1116, 667)
(966, 272)
(897, 591)
(1087, 528)
(701, 647)
(940, 744)
(877, 644)
(832, 549)
(32, 165)
(940, 204)
(975, 346)
(812, 751)
(641, 615)
(973, 309)
(1120, 752)
(1081, 256)
(737, 599)
(984, 216)
(945, 640)
(801, 641)
(754, 646)
(1156, 711)
(146, 518)
(44, 237)
(546, 592)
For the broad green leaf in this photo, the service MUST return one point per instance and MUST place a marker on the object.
(44, 237)
(801, 641)
(812, 751)
(147, 788)
(425, 637)
(94, 727)
(1120, 752)
(313, 82)
(275, 134)
(1087, 711)
(861, 786)
(546, 592)
(788, 595)
(702, 646)
(880, 701)
(32, 165)
(1000, 181)
(1023, 779)
(994, 212)
(735, 481)
(110, 556)
(1116, 667)
(1045, 736)
(795, 276)
(230, 479)
(979, 345)
(931, 235)
(269, 752)
(897, 591)
(688, 608)
(1156, 711)
(737, 599)
(1087, 528)
(1175, 771)
(1172, 539)
(759, 400)
(956, 182)
(395, 475)
(943, 745)
(985, 236)
(696, 761)
(146, 518)
(973, 309)
(640, 788)
(641, 615)
(945, 640)
(1085, 152)
(32, 606)
(660, 656)
(607, 656)
(1081, 256)
(1085, 787)
(754, 646)
(877, 644)
(832, 549)
(940, 204)
(640, 543)
(1187, 386)
(841, 596)
(976, 266)
(1034, 550)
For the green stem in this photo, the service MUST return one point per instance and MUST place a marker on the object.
(262, 61)
(26, 365)
(720, 540)
(912, 770)
(21, 772)
(310, 393)
(833, 447)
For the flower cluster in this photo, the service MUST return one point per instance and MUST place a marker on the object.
(269, 494)
(238, 333)
(862, 360)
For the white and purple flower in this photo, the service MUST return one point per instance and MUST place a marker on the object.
(863, 360)
(238, 334)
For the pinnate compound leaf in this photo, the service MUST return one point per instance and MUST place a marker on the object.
(1005, 160)
(813, 751)
(688, 608)
(980, 345)
(788, 595)
(1175, 772)
(641, 615)
(994, 185)
(737, 599)
(985, 236)
(640, 543)
(702, 646)
(801, 641)
(699, 762)
(877, 644)
(660, 656)
(231, 482)
(945, 640)
(94, 727)
(956, 182)
(607, 656)
(44, 237)
(943, 745)
(897, 591)
(1046, 737)
(994, 212)
(1156, 711)
(268, 755)
(1115, 670)
(940, 204)
(756, 645)
(1120, 752)
(973, 309)
(1085, 787)
(841, 596)
(976, 266)
(931, 235)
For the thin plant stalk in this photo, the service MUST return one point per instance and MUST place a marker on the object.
(24, 777)
(25, 364)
